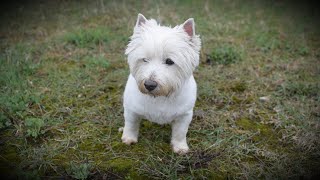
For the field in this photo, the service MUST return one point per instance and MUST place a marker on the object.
(63, 72)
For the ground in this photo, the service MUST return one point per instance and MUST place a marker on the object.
(63, 72)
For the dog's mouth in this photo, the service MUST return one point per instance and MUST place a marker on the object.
(159, 90)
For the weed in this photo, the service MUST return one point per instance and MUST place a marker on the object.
(34, 126)
(79, 171)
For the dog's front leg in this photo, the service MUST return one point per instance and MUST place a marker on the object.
(179, 132)
(131, 127)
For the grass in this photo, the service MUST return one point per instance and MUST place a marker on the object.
(87, 37)
(63, 72)
(224, 55)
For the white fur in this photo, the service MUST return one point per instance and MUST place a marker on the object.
(173, 99)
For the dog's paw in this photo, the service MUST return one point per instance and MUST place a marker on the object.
(129, 140)
(180, 149)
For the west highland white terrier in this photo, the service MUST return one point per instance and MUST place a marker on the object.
(161, 86)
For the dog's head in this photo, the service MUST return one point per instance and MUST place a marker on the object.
(161, 58)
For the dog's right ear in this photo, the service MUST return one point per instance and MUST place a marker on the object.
(141, 20)
(188, 27)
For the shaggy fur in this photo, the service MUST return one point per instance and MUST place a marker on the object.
(173, 98)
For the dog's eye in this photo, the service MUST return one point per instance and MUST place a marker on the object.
(169, 61)
(144, 60)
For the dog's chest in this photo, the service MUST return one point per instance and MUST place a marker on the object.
(160, 114)
(159, 118)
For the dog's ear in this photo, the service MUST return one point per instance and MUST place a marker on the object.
(141, 20)
(188, 27)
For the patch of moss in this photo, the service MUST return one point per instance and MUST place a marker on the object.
(119, 146)
(121, 165)
(236, 102)
(64, 158)
(146, 124)
(218, 172)
(216, 175)
(66, 66)
(266, 134)
(8, 151)
(91, 145)
(239, 86)
(234, 86)
(9, 154)
(138, 148)
(246, 124)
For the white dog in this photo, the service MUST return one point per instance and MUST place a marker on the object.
(161, 87)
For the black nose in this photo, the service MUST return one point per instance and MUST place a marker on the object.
(150, 85)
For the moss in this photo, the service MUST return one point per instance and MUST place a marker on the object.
(9, 154)
(91, 145)
(136, 175)
(66, 66)
(64, 158)
(8, 158)
(218, 172)
(267, 135)
(119, 146)
(146, 124)
(246, 124)
(164, 146)
(234, 86)
(121, 165)
(236, 100)
(238, 86)
(217, 175)
(138, 148)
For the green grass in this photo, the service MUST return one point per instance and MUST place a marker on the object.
(224, 55)
(87, 37)
(63, 73)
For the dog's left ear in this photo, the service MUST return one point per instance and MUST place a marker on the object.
(141, 20)
(188, 27)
